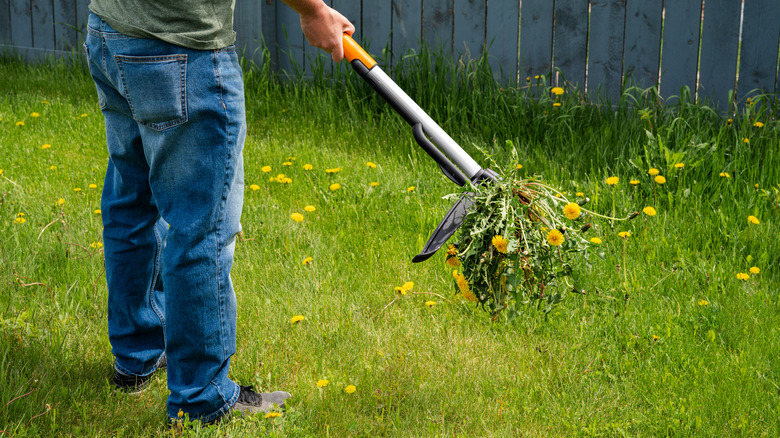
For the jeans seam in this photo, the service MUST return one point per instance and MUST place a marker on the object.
(220, 217)
(155, 276)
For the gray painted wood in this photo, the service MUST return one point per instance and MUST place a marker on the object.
(290, 40)
(536, 39)
(269, 30)
(247, 20)
(680, 47)
(642, 50)
(37, 28)
(570, 43)
(43, 24)
(65, 35)
(501, 39)
(758, 57)
(21, 23)
(605, 49)
(437, 24)
(407, 27)
(719, 46)
(469, 27)
(376, 31)
(5, 22)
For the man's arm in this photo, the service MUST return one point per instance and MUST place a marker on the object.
(322, 26)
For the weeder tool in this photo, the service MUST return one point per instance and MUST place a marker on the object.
(456, 164)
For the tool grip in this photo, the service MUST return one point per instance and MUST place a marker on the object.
(353, 51)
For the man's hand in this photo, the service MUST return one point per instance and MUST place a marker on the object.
(322, 26)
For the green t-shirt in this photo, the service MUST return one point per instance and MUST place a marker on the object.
(196, 24)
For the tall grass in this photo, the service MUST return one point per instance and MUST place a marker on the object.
(665, 341)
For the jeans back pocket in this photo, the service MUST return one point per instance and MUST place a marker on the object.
(155, 88)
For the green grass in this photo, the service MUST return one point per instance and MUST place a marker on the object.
(638, 355)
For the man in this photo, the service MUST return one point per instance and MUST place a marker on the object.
(171, 91)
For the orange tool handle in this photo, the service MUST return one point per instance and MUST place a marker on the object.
(353, 50)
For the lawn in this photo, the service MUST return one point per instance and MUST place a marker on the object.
(675, 332)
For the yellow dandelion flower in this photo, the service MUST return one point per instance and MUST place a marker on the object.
(729, 121)
(334, 170)
(500, 243)
(52, 167)
(350, 389)
(34, 115)
(724, 175)
(322, 383)
(273, 415)
(453, 260)
(519, 166)
(743, 276)
(286, 180)
(287, 163)
(557, 91)
(753, 220)
(612, 180)
(371, 165)
(407, 286)
(624, 234)
(660, 179)
(656, 337)
(308, 167)
(556, 104)
(650, 211)
(579, 194)
(374, 184)
(554, 237)
(19, 123)
(307, 261)
(704, 303)
(296, 319)
(297, 217)
(254, 187)
(46, 146)
(83, 115)
(758, 125)
(1, 171)
(653, 171)
(595, 240)
(634, 182)
(20, 220)
(745, 140)
(96, 245)
(77, 189)
(60, 201)
(679, 165)
(335, 186)
(754, 270)
(410, 189)
(290, 158)
(180, 414)
(92, 186)
(266, 169)
(571, 210)
(430, 303)
(98, 211)
(309, 208)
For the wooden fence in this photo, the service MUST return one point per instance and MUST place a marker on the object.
(600, 46)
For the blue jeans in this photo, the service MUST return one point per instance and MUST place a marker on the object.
(172, 200)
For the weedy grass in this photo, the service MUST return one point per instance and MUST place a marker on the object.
(664, 340)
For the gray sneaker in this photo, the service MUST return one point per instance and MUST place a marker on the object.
(252, 402)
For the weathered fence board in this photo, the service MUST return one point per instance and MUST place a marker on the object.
(42, 24)
(5, 21)
(21, 23)
(719, 45)
(468, 34)
(642, 53)
(66, 36)
(502, 33)
(570, 44)
(437, 24)
(599, 46)
(407, 26)
(680, 46)
(605, 48)
(758, 57)
(536, 38)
